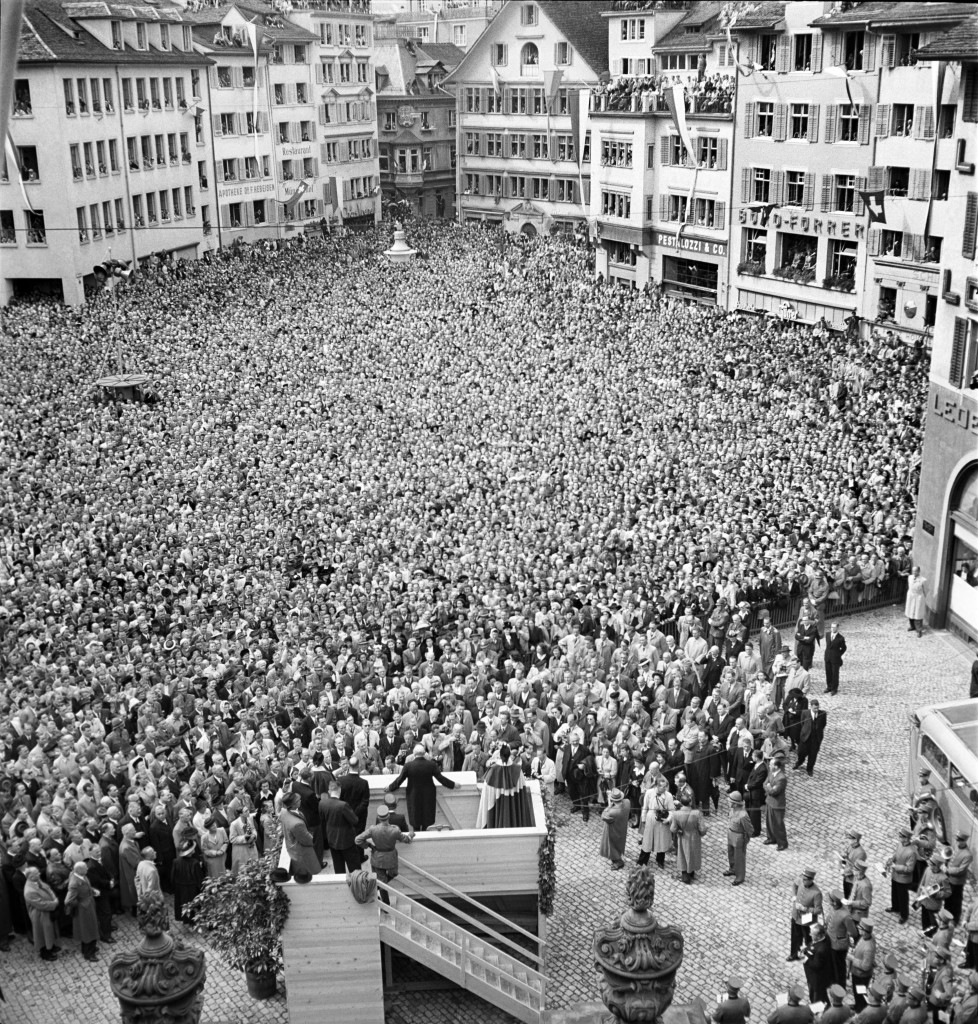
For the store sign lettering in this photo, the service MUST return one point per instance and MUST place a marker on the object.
(297, 151)
(693, 245)
(804, 223)
(955, 412)
(240, 191)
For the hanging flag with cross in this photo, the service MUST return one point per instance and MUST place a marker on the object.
(874, 205)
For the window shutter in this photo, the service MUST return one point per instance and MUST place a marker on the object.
(720, 216)
(216, 120)
(888, 52)
(322, 152)
(780, 122)
(970, 233)
(750, 120)
(666, 149)
(663, 208)
(882, 129)
(826, 193)
(319, 73)
(958, 346)
(808, 191)
(865, 118)
(813, 112)
(722, 155)
(249, 214)
(916, 248)
(817, 41)
(322, 114)
(225, 217)
(587, 192)
(923, 183)
(873, 242)
(923, 123)
(858, 205)
(220, 170)
(777, 188)
(752, 50)
(877, 178)
(344, 151)
(312, 130)
(238, 77)
(745, 179)
(835, 54)
(239, 165)
(212, 76)
(869, 51)
(782, 59)
(831, 121)
(969, 108)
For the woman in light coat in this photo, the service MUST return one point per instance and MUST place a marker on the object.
(916, 605)
(243, 837)
(214, 844)
(41, 904)
(657, 806)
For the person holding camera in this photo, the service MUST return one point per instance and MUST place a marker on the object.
(657, 805)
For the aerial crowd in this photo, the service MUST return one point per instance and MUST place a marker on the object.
(479, 500)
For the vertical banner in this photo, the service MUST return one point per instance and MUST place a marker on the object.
(676, 102)
(252, 29)
(938, 68)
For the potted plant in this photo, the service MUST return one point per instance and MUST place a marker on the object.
(242, 917)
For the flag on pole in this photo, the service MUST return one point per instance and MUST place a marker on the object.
(675, 98)
(551, 83)
(15, 166)
(497, 86)
(293, 201)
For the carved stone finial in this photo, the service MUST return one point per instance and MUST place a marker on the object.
(161, 980)
(637, 957)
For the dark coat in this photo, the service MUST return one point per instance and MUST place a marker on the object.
(835, 647)
(339, 823)
(298, 841)
(420, 775)
(355, 791)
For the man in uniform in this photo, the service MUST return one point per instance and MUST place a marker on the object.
(933, 891)
(393, 817)
(853, 853)
(957, 874)
(900, 866)
(806, 908)
(923, 789)
(875, 1011)
(382, 839)
(739, 832)
(836, 1012)
(940, 980)
(966, 1009)
(836, 927)
(886, 982)
(898, 1002)
(862, 964)
(916, 1011)
(775, 786)
(792, 1012)
(735, 1009)
(861, 895)
(945, 929)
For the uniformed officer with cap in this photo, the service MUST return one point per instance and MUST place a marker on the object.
(875, 1011)
(958, 868)
(901, 866)
(807, 905)
(887, 981)
(792, 1012)
(735, 1009)
(382, 839)
(837, 929)
(945, 928)
(854, 852)
(898, 1001)
(836, 1012)
(916, 1011)
(775, 786)
(862, 963)
(965, 1010)
(940, 981)
(739, 833)
(861, 894)
(932, 892)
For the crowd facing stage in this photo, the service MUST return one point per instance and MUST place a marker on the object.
(477, 500)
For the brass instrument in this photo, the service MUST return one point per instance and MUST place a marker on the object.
(925, 894)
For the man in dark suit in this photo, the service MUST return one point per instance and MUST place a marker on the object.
(835, 648)
(713, 670)
(811, 731)
(579, 774)
(393, 817)
(340, 831)
(355, 791)
(677, 697)
(420, 774)
(309, 807)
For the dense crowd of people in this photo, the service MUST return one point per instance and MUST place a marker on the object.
(476, 501)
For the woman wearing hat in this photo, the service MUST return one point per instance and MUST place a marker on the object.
(657, 806)
(214, 844)
(188, 879)
(614, 833)
(41, 906)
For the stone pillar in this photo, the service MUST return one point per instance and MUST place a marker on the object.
(638, 958)
(161, 981)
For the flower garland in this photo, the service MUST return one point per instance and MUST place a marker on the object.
(547, 862)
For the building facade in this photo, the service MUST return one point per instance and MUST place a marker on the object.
(458, 24)
(416, 122)
(107, 145)
(946, 538)
(523, 155)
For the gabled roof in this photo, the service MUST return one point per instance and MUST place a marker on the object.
(894, 14)
(447, 54)
(407, 65)
(762, 16)
(958, 43)
(121, 12)
(705, 17)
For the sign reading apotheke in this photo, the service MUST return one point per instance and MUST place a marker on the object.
(260, 188)
(687, 244)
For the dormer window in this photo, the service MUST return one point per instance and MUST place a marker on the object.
(116, 35)
(529, 15)
(530, 55)
(141, 36)
(164, 37)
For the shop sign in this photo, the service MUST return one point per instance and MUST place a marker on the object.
(260, 188)
(804, 223)
(687, 244)
(955, 411)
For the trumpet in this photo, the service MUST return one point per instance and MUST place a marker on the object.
(925, 894)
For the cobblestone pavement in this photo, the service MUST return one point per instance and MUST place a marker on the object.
(859, 780)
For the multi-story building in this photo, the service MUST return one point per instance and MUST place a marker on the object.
(107, 144)
(416, 120)
(459, 24)
(523, 155)
(946, 538)
(662, 213)
(347, 110)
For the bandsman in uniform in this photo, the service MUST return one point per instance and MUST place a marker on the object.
(957, 871)
(940, 981)
(735, 1009)
(874, 1012)
(792, 1012)
(886, 982)
(932, 893)
(965, 1010)
(898, 1003)
(861, 896)
(837, 929)
(862, 964)
(916, 1011)
(836, 1012)
(901, 865)
(805, 909)
(925, 842)
(854, 852)
(945, 929)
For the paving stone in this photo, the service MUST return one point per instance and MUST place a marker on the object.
(859, 780)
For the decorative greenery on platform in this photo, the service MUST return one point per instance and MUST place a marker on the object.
(755, 268)
(242, 917)
(842, 282)
(547, 861)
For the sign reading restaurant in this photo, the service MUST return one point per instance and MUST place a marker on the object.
(687, 244)
(802, 222)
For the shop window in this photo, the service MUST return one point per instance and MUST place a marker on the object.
(755, 247)
(798, 254)
(886, 310)
(968, 495)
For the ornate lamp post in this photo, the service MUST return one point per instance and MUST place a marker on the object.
(161, 981)
(638, 958)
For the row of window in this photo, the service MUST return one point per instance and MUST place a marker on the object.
(705, 213)
(513, 99)
(148, 152)
(427, 120)
(346, 111)
(530, 55)
(347, 150)
(332, 34)
(240, 123)
(139, 34)
(855, 50)
(840, 192)
(518, 186)
(796, 256)
(155, 208)
(343, 72)
(523, 145)
(85, 96)
(846, 122)
(410, 159)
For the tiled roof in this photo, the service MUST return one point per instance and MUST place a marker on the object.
(406, 64)
(582, 25)
(121, 12)
(894, 14)
(49, 35)
(958, 43)
(760, 16)
(447, 54)
(703, 16)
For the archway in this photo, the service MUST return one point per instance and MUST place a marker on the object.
(529, 230)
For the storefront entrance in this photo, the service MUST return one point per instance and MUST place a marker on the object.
(962, 598)
(695, 279)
